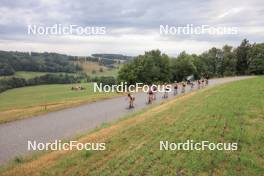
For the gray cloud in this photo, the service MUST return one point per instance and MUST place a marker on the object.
(129, 21)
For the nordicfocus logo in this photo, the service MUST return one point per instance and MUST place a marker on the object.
(59, 29)
(191, 29)
(58, 145)
(203, 145)
(124, 87)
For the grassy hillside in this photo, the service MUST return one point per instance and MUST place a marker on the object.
(107, 72)
(229, 113)
(88, 67)
(29, 75)
(93, 69)
(27, 101)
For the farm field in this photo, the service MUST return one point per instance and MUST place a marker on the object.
(88, 67)
(28, 101)
(228, 113)
(93, 69)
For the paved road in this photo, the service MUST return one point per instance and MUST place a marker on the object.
(69, 122)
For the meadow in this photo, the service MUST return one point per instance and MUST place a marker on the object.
(90, 68)
(93, 69)
(25, 102)
(107, 72)
(31, 74)
(233, 112)
(29, 101)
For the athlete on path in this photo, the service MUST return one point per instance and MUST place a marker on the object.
(131, 99)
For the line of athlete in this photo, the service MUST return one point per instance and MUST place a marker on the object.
(178, 88)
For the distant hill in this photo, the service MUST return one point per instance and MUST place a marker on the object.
(11, 61)
(112, 56)
(107, 60)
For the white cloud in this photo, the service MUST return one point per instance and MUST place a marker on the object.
(230, 12)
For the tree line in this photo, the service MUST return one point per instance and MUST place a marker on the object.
(41, 62)
(153, 66)
(112, 56)
(16, 82)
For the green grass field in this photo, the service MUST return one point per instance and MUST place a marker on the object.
(29, 101)
(26, 101)
(89, 67)
(228, 113)
(29, 74)
(111, 72)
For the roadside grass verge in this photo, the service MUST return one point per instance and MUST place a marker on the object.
(37, 154)
(233, 112)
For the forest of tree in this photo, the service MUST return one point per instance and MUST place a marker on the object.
(153, 66)
(107, 60)
(42, 62)
(112, 56)
(101, 61)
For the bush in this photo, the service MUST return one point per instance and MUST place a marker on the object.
(105, 80)
(14, 82)
(10, 83)
(6, 70)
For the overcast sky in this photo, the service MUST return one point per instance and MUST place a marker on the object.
(132, 26)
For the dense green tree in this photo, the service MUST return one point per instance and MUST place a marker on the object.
(6, 70)
(183, 66)
(242, 55)
(43, 62)
(256, 57)
(148, 68)
(229, 61)
(210, 61)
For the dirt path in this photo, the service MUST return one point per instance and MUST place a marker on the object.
(69, 122)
